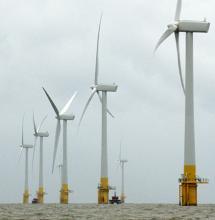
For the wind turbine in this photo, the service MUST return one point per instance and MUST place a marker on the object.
(41, 135)
(188, 182)
(26, 147)
(62, 116)
(122, 164)
(103, 189)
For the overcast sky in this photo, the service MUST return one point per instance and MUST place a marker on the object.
(52, 43)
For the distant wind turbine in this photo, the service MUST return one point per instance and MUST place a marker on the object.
(188, 184)
(103, 189)
(41, 135)
(62, 116)
(26, 147)
(122, 164)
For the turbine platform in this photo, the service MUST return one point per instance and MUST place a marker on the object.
(188, 190)
(40, 195)
(103, 191)
(103, 194)
(64, 194)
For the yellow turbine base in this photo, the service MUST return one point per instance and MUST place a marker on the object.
(103, 191)
(190, 172)
(64, 194)
(26, 197)
(122, 198)
(40, 195)
(188, 187)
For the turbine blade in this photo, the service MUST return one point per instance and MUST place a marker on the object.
(59, 167)
(34, 148)
(57, 135)
(97, 53)
(35, 127)
(23, 129)
(120, 151)
(107, 110)
(66, 107)
(178, 10)
(179, 60)
(166, 34)
(52, 103)
(20, 155)
(38, 129)
(88, 102)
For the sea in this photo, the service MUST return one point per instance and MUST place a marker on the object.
(104, 212)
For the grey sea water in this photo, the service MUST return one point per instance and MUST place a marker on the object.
(108, 212)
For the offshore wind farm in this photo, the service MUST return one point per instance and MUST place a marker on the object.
(68, 166)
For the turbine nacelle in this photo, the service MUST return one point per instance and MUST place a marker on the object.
(66, 117)
(26, 146)
(189, 26)
(123, 161)
(105, 88)
(193, 26)
(41, 134)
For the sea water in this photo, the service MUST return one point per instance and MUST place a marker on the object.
(104, 212)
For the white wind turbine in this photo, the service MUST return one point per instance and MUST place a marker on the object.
(41, 135)
(26, 147)
(103, 193)
(122, 165)
(62, 116)
(189, 196)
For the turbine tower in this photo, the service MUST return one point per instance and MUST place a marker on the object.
(189, 180)
(103, 189)
(122, 165)
(26, 147)
(60, 171)
(41, 135)
(62, 116)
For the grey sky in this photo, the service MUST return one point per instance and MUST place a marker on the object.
(52, 44)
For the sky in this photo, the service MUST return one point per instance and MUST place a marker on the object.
(52, 43)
